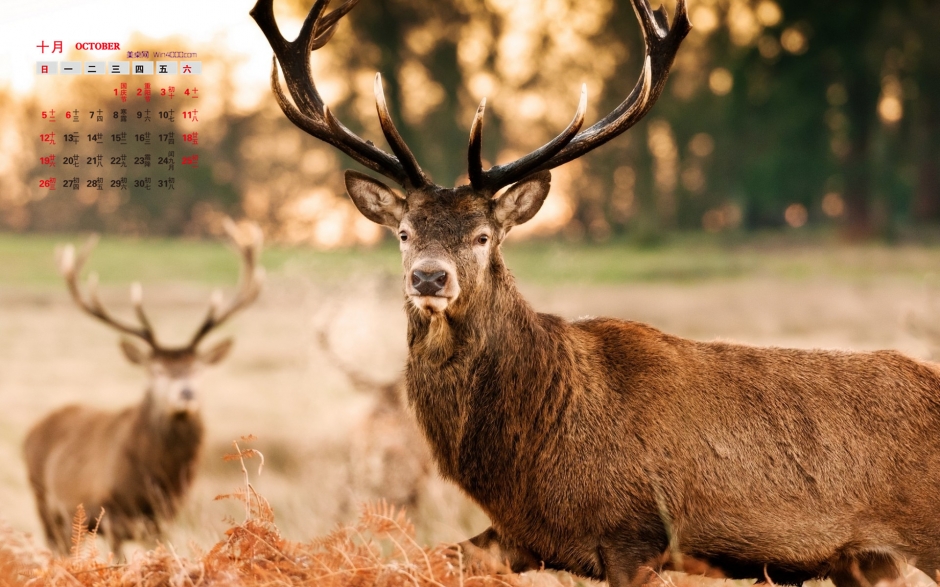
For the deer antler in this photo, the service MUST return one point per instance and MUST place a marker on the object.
(248, 243)
(310, 113)
(313, 116)
(70, 266)
(359, 380)
(662, 42)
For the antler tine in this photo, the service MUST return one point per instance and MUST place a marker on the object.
(503, 175)
(360, 150)
(308, 30)
(336, 134)
(327, 25)
(70, 266)
(475, 150)
(249, 283)
(308, 111)
(137, 299)
(359, 380)
(662, 42)
(401, 150)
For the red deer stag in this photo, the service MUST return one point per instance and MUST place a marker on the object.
(136, 463)
(608, 448)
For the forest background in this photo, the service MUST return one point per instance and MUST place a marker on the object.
(778, 114)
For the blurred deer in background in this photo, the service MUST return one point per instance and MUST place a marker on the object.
(606, 447)
(922, 323)
(389, 457)
(136, 463)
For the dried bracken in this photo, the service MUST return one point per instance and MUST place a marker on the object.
(380, 549)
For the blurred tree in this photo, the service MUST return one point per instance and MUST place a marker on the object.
(777, 113)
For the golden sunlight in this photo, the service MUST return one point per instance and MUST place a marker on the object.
(720, 81)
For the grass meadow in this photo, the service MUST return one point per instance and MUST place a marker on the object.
(280, 386)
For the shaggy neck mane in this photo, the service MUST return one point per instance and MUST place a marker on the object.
(167, 446)
(472, 374)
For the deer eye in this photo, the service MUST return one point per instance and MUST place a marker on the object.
(483, 239)
(403, 236)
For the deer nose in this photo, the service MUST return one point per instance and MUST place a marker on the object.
(428, 284)
(187, 394)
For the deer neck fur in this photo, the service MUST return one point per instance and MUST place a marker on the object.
(474, 379)
(167, 445)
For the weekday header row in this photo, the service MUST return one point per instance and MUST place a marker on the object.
(119, 67)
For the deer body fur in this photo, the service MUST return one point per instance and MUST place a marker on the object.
(136, 463)
(595, 444)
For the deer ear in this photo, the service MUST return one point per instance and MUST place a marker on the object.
(521, 201)
(134, 353)
(217, 353)
(374, 199)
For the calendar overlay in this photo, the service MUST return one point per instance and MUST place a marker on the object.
(141, 132)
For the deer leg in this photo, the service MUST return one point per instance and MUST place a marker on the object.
(60, 533)
(866, 570)
(632, 555)
(488, 549)
(112, 527)
(49, 526)
(117, 546)
(632, 566)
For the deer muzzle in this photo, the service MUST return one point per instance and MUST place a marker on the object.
(432, 286)
(428, 284)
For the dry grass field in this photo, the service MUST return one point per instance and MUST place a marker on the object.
(279, 385)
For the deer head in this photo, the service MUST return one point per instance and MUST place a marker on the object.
(450, 237)
(172, 369)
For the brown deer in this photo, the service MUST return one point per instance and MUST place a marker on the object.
(388, 458)
(137, 463)
(609, 448)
